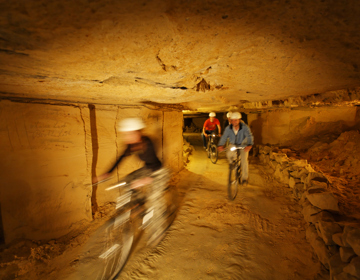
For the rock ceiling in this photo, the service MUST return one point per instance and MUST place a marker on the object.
(199, 54)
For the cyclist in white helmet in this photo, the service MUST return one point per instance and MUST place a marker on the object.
(209, 126)
(238, 133)
(151, 173)
(227, 121)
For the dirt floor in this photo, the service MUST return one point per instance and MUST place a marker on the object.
(260, 235)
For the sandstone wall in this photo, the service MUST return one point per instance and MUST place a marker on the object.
(45, 177)
(287, 126)
(50, 153)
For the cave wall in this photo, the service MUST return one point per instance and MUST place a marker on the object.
(50, 153)
(288, 126)
(45, 175)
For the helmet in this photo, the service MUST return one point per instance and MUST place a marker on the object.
(130, 124)
(235, 116)
(212, 114)
(228, 115)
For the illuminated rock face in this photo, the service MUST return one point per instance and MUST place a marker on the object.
(124, 57)
(50, 153)
(203, 54)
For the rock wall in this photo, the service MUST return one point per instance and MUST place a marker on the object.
(334, 237)
(287, 126)
(50, 153)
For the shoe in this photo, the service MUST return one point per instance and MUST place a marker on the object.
(244, 182)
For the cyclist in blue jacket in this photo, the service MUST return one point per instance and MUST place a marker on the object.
(238, 133)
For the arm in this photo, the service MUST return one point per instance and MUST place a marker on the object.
(219, 129)
(224, 137)
(107, 174)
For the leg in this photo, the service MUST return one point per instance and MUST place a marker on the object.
(231, 155)
(204, 139)
(244, 165)
(244, 162)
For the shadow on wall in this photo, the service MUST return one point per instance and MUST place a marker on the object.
(2, 238)
(256, 129)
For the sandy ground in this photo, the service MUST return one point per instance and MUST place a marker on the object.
(260, 235)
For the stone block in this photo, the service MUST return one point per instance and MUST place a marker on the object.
(336, 265)
(353, 268)
(294, 173)
(298, 190)
(352, 238)
(318, 245)
(344, 276)
(323, 200)
(338, 239)
(308, 211)
(301, 163)
(293, 181)
(281, 158)
(346, 253)
(273, 164)
(326, 230)
(265, 150)
(317, 176)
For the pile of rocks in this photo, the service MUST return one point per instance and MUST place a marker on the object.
(334, 238)
(187, 151)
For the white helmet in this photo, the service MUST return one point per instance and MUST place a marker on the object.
(212, 114)
(235, 116)
(228, 114)
(131, 124)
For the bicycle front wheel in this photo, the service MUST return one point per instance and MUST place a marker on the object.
(107, 250)
(233, 181)
(213, 154)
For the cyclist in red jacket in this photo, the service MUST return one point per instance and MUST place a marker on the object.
(209, 126)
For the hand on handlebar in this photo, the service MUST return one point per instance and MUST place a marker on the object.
(220, 148)
(247, 148)
(100, 178)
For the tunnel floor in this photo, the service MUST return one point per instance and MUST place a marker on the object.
(260, 235)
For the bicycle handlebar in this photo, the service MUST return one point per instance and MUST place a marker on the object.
(237, 147)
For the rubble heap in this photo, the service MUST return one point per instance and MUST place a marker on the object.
(335, 237)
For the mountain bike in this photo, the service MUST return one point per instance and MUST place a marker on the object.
(109, 248)
(235, 172)
(212, 151)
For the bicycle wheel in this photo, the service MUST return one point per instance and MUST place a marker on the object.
(213, 153)
(233, 181)
(107, 250)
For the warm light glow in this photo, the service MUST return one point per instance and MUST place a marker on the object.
(116, 186)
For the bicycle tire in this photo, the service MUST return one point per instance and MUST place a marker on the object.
(208, 149)
(233, 182)
(107, 250)
(213, 153)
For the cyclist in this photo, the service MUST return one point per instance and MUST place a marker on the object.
(227, 121)
(238, 133)
(209, 126)
(151, 173)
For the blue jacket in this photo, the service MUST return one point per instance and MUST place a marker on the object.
(244, 132)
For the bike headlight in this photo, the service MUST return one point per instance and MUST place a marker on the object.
(232, 148)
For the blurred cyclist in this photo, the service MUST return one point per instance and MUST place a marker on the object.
(209, 127)
(151, 173)
(238, 133)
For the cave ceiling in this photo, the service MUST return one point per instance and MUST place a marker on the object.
(198, 55)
